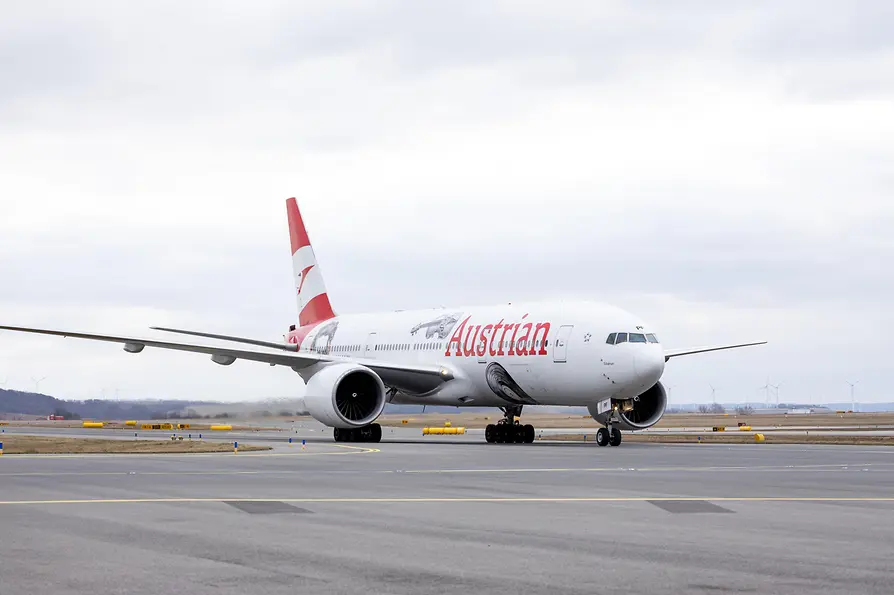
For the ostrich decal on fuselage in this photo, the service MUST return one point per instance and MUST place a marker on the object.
(439, 328)
(322, 340)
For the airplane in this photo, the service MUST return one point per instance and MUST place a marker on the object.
(506, 356)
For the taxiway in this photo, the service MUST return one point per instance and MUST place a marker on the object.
(439, 517)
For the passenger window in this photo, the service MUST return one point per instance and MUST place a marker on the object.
(622, 338)
(637, 338)
(611, 338)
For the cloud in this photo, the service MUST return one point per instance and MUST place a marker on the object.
(722, 170)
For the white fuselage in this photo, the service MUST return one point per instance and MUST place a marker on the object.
(526, 354)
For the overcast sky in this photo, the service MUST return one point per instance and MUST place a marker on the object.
(723, 170)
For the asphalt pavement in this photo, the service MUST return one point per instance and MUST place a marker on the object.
(458, 516)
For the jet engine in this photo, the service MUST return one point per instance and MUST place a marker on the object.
(637, 413)
(345, 396)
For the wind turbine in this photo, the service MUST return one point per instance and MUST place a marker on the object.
(37, 382)
(713, 394)
(766, 388)
(776, 388)
(853, 402)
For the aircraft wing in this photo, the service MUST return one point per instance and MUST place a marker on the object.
(414, 378)
(678, 352)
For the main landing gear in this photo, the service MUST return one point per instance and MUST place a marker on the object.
(370, 433)
(508, 430)
(608, 436)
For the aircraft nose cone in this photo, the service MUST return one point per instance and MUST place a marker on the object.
(649, 366)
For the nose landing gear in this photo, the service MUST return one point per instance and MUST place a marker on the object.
(508, 430)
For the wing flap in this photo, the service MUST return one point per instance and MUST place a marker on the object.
(247, 341)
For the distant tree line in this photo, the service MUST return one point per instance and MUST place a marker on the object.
(712, 408)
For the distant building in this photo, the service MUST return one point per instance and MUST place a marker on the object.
(800, 410)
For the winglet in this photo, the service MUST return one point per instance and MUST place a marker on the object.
(313, 300)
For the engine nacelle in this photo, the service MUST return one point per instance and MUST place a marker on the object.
(638, 413)
(345, 396)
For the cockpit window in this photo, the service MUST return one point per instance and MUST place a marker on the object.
(652, 338)
(637, 338)
(611, 338)
(622, 338)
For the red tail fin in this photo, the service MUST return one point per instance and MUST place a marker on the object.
(313, 300)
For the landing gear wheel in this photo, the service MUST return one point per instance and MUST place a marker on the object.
(501, 433)
(508, 430)
(615, 437)
(529, 433)
(602, 437)
(370, 433)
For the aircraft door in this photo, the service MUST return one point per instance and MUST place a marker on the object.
(560, 345)
(370, 350)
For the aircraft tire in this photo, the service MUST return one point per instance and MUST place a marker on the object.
(529, 433)
(602, 437)
(490, 434)
(615, 437)
(376, 433)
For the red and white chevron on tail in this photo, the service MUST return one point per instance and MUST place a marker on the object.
(313, 301)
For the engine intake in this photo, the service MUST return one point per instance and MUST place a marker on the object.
(345, 396)
(638, 413)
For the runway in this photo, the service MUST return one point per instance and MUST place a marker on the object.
(437, 517)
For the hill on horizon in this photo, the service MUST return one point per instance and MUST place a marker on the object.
(28, 403)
